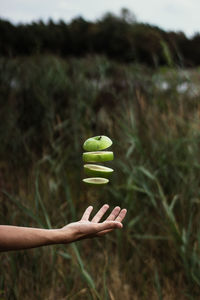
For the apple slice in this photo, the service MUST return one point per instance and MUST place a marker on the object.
(97, 143)
(98, 156)
(96, 181)
(97, 171)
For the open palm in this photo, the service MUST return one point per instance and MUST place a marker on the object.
(94, 228)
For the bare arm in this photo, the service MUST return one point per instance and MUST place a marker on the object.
(17, 238)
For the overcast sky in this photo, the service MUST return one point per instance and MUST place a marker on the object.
(177, 15)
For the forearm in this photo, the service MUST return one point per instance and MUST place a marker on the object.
(17, 238)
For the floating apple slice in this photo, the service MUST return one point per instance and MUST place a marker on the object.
(97, 171)
(98, 156)
(97, 143)
(96, 180)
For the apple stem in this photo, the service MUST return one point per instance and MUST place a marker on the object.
(99, 138)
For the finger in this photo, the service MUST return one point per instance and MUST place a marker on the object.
(87, 213)
(103, 232)
(119, 218)
(110, 225)
(100, 213)
(114, 213)
(121, 215)
(100, 229)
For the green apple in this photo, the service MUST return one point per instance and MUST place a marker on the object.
(98, 156)
(97, 171)
(96, 181)
(97, 143)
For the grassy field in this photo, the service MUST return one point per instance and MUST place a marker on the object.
(49, 107)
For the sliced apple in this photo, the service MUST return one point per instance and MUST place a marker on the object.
(98, 156)
(97, 171)
(96, 181)
(97, 143)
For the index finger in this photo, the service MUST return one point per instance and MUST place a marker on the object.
(86, 214)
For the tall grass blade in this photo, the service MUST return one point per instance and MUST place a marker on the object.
(158, 285)
(85, 274)
(26, 211)
(39, 201)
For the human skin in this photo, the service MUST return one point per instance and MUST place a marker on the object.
(18, 238)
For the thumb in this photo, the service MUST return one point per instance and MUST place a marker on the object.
(108, 225)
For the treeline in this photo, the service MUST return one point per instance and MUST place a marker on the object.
(118, 37)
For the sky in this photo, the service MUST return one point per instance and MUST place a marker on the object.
(176, 15)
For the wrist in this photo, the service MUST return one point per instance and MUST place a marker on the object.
(60, 236)
(55, 236)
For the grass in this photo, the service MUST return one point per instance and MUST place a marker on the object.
(49, 107)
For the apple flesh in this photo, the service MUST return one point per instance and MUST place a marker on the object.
(97, 143)
(97, 171)
(98, 156)
(96, 181)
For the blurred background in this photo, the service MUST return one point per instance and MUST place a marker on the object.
(73, 70)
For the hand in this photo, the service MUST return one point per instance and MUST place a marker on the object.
(17, 238)
(87, 229)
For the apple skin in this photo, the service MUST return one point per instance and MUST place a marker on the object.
(97, 171)
(98, 156)
(97, 143)
(99, 181)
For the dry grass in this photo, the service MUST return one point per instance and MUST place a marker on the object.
(156, 145)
